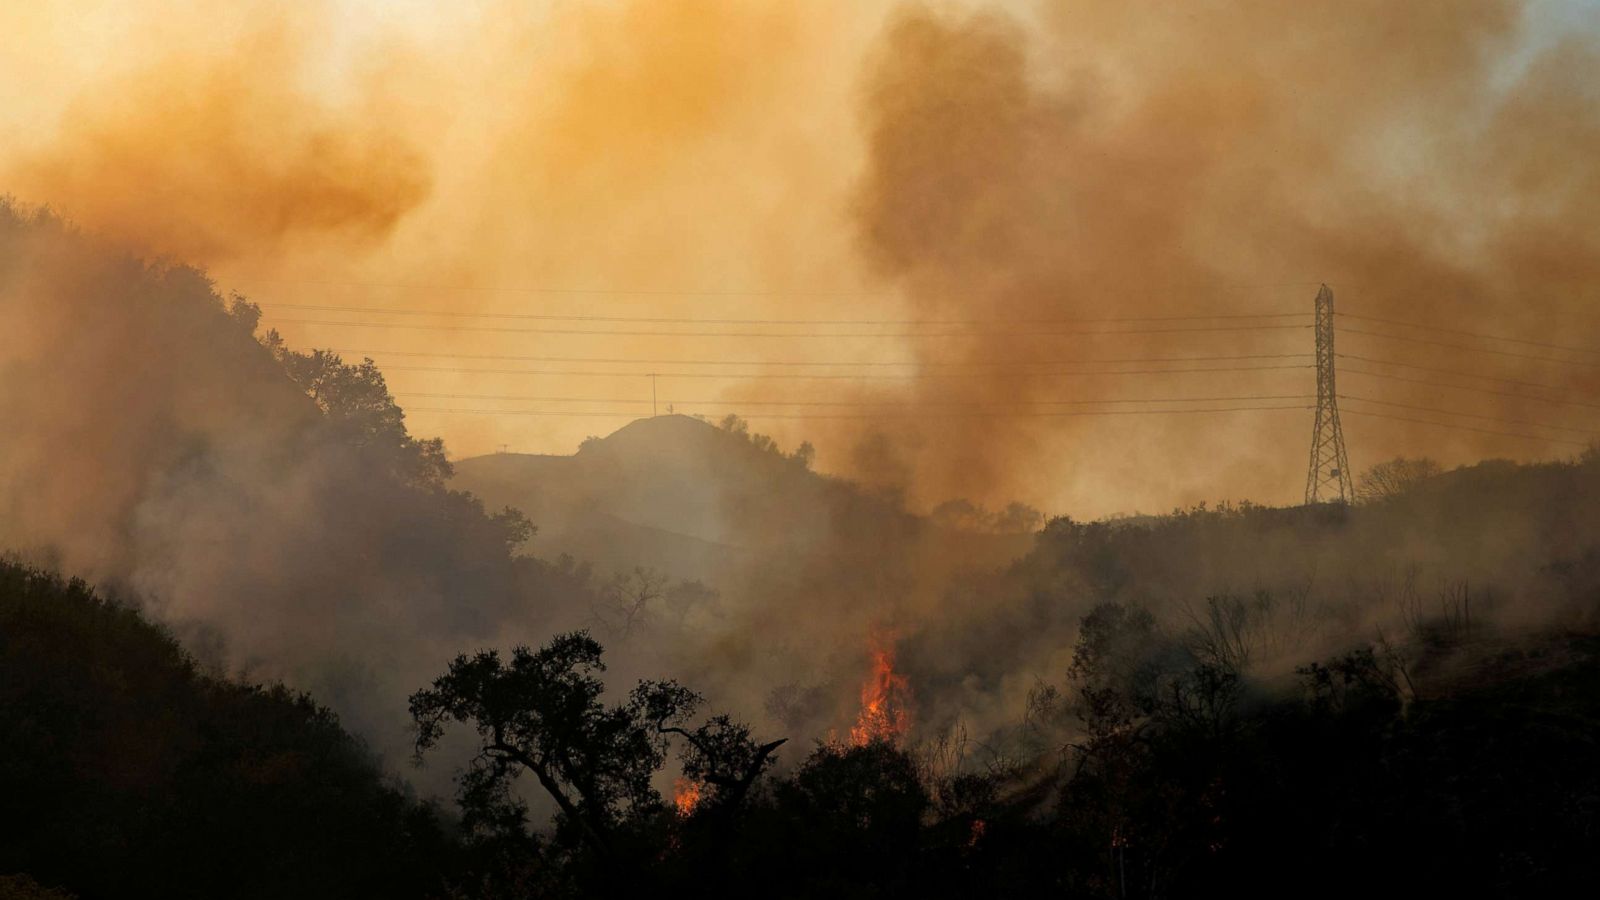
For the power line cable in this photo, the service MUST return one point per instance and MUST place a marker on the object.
(1529, 437)
(559, 291)
(800, 376)
(766, 334)
(1189, 285)
(918, 416)
(660, 320)
(1462, 387)
(1473, 334)
(1451, 412)
(1456, 372)
(827, 364)
(1060, 414)
(1465, 348)
(857, 404)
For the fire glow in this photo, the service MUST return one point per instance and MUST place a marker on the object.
(885, 698)
(686, 796)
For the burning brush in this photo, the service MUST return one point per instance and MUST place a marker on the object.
(885, 697)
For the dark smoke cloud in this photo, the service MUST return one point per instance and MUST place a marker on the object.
(1139, 163)
(155, 447)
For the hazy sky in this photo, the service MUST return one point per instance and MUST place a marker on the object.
(1051, 161)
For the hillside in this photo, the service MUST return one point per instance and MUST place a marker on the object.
(128, 771)
(1494, 545)
(696, 501)
(266, 502)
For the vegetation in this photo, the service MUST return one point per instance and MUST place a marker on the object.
(128, 771)
(1395, 477)
(1171, 756)
(964, 514)
(541, 713)
(1346, 717)
(1177, 777)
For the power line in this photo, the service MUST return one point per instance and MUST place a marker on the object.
(661, 320)
(766, 334)
(859, 404)
(1457, 372)
(1475, 390)
(1529, 437)
(917, 416)
(1464, 347)
(1474, 334)
(1450, 412)
(580, 292)
(429, 395)
(799, 376)
(1190, 285)
(563, 413)
(978, 404)
(828, 364)
(1058, 414)
(1218, 323)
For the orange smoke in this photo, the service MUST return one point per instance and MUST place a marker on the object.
(203, 157)
(686, 796)
(980, 161)
(885, 698)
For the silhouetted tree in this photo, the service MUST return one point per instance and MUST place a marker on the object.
(622, 605)
(804, 455)
(356, 399)
(541, 712)
(721, 755)
(1018, 518)
(856, 812)
(1394, 477)
(515, 525)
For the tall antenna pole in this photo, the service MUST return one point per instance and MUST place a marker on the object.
(652, 395)
(1329, 477)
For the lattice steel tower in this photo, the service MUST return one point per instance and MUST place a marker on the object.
(1330, 467)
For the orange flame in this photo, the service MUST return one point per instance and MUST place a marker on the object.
(885, 698)
(686, 795)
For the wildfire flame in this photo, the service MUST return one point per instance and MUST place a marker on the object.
(686, 795)
(885, 698)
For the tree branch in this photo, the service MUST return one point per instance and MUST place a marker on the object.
(553, 788)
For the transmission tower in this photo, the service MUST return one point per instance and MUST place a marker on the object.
(1329, 477)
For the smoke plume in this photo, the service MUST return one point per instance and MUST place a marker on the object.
(1026, 163)
(1112, 164)
(1035, 168)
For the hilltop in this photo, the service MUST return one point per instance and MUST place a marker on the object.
(695, 500)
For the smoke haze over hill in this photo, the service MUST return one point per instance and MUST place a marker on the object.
(175, 456)
(1035, 169)
(1057, 160)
